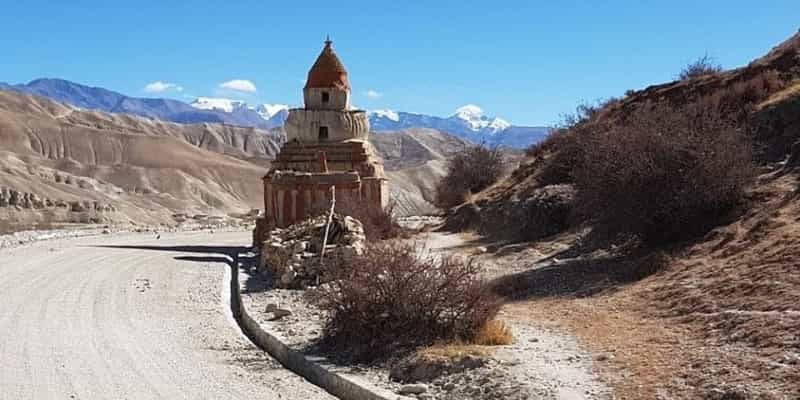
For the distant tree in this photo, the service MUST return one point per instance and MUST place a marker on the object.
(705, 65)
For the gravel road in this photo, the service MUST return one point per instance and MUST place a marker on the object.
(130, 317)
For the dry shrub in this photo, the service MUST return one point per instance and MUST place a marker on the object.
(470, 170)
(665, 173)
(559, 168)
(561, 148)
(494, 333)
(740, 98)
(378, 223)
(393, 298)
(703, 66)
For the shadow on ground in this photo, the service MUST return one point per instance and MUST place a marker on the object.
(234, 256)
(578, 277)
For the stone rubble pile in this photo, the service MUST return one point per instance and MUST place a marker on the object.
(291, 255)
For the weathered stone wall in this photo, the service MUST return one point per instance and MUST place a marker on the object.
(375, 192)
(338, 99)
(303, 125)
(293, 196)
(353, 155)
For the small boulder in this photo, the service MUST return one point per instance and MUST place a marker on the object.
(280, 313)
(414, 388)
(301, 246)
(288, 277)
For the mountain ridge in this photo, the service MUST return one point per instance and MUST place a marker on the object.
(468, 122)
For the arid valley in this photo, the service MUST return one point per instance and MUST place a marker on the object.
(184, 238)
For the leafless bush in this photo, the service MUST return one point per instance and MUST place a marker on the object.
(664, 173)
(740, 98)
(393, 298)
(705, 65)
(469, 171)
(561, 147)
(378, 223)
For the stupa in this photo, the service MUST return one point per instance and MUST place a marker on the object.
(327, 146)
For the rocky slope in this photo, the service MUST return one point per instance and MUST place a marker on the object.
(710, 317)
(87, 166)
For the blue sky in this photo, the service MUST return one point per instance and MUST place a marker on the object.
(525, 61)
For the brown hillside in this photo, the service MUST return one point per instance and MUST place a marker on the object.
(714, 316)
(146, 170)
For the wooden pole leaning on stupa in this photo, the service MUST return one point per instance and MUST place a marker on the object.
(327, 229)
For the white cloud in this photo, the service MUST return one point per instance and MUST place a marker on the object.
(239, 85)
(159, 87)
(373, 94)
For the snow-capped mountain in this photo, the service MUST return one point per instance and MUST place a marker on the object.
(475, 120)
(268, 111)
(94, 98)
(468, 122)
(220, 104)
(274, 114)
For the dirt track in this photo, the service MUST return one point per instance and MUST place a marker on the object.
(145, 320)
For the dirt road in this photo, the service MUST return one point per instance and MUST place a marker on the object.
(130, 317)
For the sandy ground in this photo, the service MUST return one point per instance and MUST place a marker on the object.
(146, 320)
(550, 361)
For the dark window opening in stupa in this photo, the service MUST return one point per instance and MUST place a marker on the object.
(325, 97)
(323, 132)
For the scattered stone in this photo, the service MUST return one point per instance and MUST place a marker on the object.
(426, 368)
(414, 388)
(300, 247)
(288, 277)
(280, 313)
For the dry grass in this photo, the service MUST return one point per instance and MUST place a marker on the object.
(743, 282)
(791, 90)
(722, 316)
(453, 351)
(494, 333)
